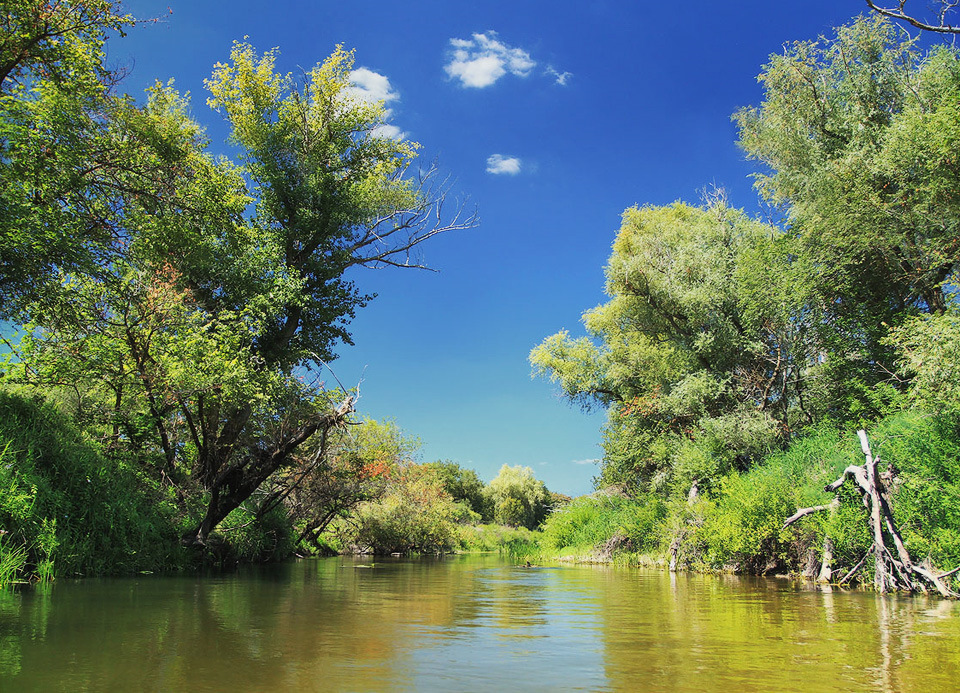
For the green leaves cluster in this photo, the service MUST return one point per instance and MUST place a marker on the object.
(187, 301)
(723, 335)
(691, 358)
(518, 498)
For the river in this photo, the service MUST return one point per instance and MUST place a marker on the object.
(470, 623)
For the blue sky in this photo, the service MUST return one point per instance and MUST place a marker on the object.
(551, 118)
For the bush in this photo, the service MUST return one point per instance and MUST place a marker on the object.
(518, 498)
(591, 521)
(415, 515)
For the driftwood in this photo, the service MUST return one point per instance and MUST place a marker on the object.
(894, 570)
(685, 530)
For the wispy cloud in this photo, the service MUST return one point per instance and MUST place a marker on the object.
(480, 61)
(586, 461)
(372, 87)
(560, 78)
(499, 164)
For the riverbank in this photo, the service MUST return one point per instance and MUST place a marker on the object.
(70, 508)
(737, 523)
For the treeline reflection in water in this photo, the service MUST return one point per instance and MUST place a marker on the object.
(471, 623)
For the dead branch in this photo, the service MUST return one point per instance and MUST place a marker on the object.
(803, 512)
(891, 572)
(899, 13)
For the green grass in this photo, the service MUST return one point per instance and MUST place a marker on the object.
(73, 509)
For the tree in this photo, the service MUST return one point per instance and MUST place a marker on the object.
(58, 40)
(464, 486)
(415, 514)
(68, 146)
(198, 329)
(858, 132)
(699, 365)
(334, 474)
(519, 499)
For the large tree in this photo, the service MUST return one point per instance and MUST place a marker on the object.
(188, 328)
(696, 354)
(858, 134)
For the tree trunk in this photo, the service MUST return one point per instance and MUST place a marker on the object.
(237, 482)
(826, 565)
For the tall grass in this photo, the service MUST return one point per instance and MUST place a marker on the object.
(13, 561)
(74, 509)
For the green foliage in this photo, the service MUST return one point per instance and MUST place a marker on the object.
(590, 521)
(186, 302)
(71, 510)
(513, 541)
(13, 561)
(246, 537)
(464, 486)
(929, 348)
(518, 498)
(345, 469)
(693, 357)
(858, 133)
(415, 515)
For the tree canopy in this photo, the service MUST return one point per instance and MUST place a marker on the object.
(184, 300)
(723, 335)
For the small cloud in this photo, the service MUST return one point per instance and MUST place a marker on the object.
(560, 78)
(372, 87)
(586, 461)
(479, 62)
(500, 164)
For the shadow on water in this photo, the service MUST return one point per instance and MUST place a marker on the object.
(470, 623)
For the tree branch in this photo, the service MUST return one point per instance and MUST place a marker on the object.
(900, 14)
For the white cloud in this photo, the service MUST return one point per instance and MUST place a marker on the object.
(479, 62)
(586, 461)
(372, 87)
(500, 164)
(560, 77)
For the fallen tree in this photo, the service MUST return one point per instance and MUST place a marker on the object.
(894, 570)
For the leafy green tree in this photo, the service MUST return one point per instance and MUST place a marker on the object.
(697, 363)
(334, 474)
(72, 153)
(519, 499)
(858, 133)
(464, 486)
(415, 514)
(195, 332)
(929, 348)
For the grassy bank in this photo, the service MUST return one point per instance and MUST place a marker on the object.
(736, 523)
(70, 508)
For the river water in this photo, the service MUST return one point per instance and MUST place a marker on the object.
(471, 623)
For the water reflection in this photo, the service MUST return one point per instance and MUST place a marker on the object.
(471, 623)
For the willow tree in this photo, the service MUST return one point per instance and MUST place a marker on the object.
(858, 137)
(698, 354)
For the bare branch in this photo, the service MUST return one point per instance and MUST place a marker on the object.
(899, 13)
(803, 512)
